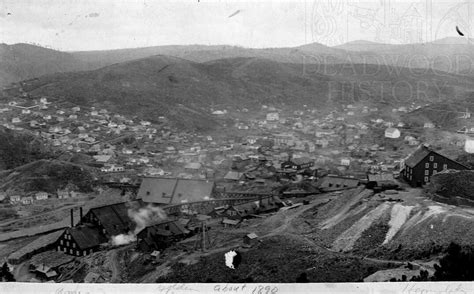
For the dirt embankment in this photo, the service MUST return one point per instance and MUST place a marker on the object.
(411, 227)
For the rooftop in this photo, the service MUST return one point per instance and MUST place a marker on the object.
(174, 191)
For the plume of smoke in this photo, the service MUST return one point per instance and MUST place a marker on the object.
(142, 217)
(145, 216)
(123, 239)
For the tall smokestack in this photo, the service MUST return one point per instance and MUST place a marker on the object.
(72, 218)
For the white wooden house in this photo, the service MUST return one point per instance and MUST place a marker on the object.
(41, 196)
(15, 198)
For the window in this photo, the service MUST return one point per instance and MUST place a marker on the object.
(337, 185)
(73, 245)
(410, 177)
(426, 179)
(431, 158)
(330, 185)
(61, 242)
(67, 243)
(70, 251)
(445, 166)
(427, 172)
(84, 253)
(167, 227)
(435, 165)
(427, 165)
(148, 192)
(435, 172)
(59, 248)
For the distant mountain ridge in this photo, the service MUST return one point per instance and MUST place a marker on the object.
(456, 55)
(24, 61)
(184, 91)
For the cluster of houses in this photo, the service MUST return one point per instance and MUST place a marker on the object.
(30, 198)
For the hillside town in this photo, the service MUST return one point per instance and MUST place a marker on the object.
(282, 151)
(182, 184)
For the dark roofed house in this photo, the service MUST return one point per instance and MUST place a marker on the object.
(418, 168)
(175, 191)
(80, 240)
(160, 235)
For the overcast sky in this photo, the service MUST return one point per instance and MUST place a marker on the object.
(109, 24)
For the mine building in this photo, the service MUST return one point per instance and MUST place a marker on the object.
(96, 227)
(160, 235)
(418, 168)
(111, 219)
(81, 240)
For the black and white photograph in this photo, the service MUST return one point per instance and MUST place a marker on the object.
(236, 145)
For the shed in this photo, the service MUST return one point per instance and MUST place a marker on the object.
(155, 254)
(250, 239)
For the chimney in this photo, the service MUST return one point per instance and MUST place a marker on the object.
(80, 213)
(72, 218)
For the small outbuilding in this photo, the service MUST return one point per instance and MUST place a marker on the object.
(250, 239)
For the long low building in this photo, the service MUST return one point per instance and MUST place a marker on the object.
(333, 182)
(175, 191)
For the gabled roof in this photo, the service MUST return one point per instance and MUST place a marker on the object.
(418, 155)
(174, 191)
(86, 237)
(114, 218)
